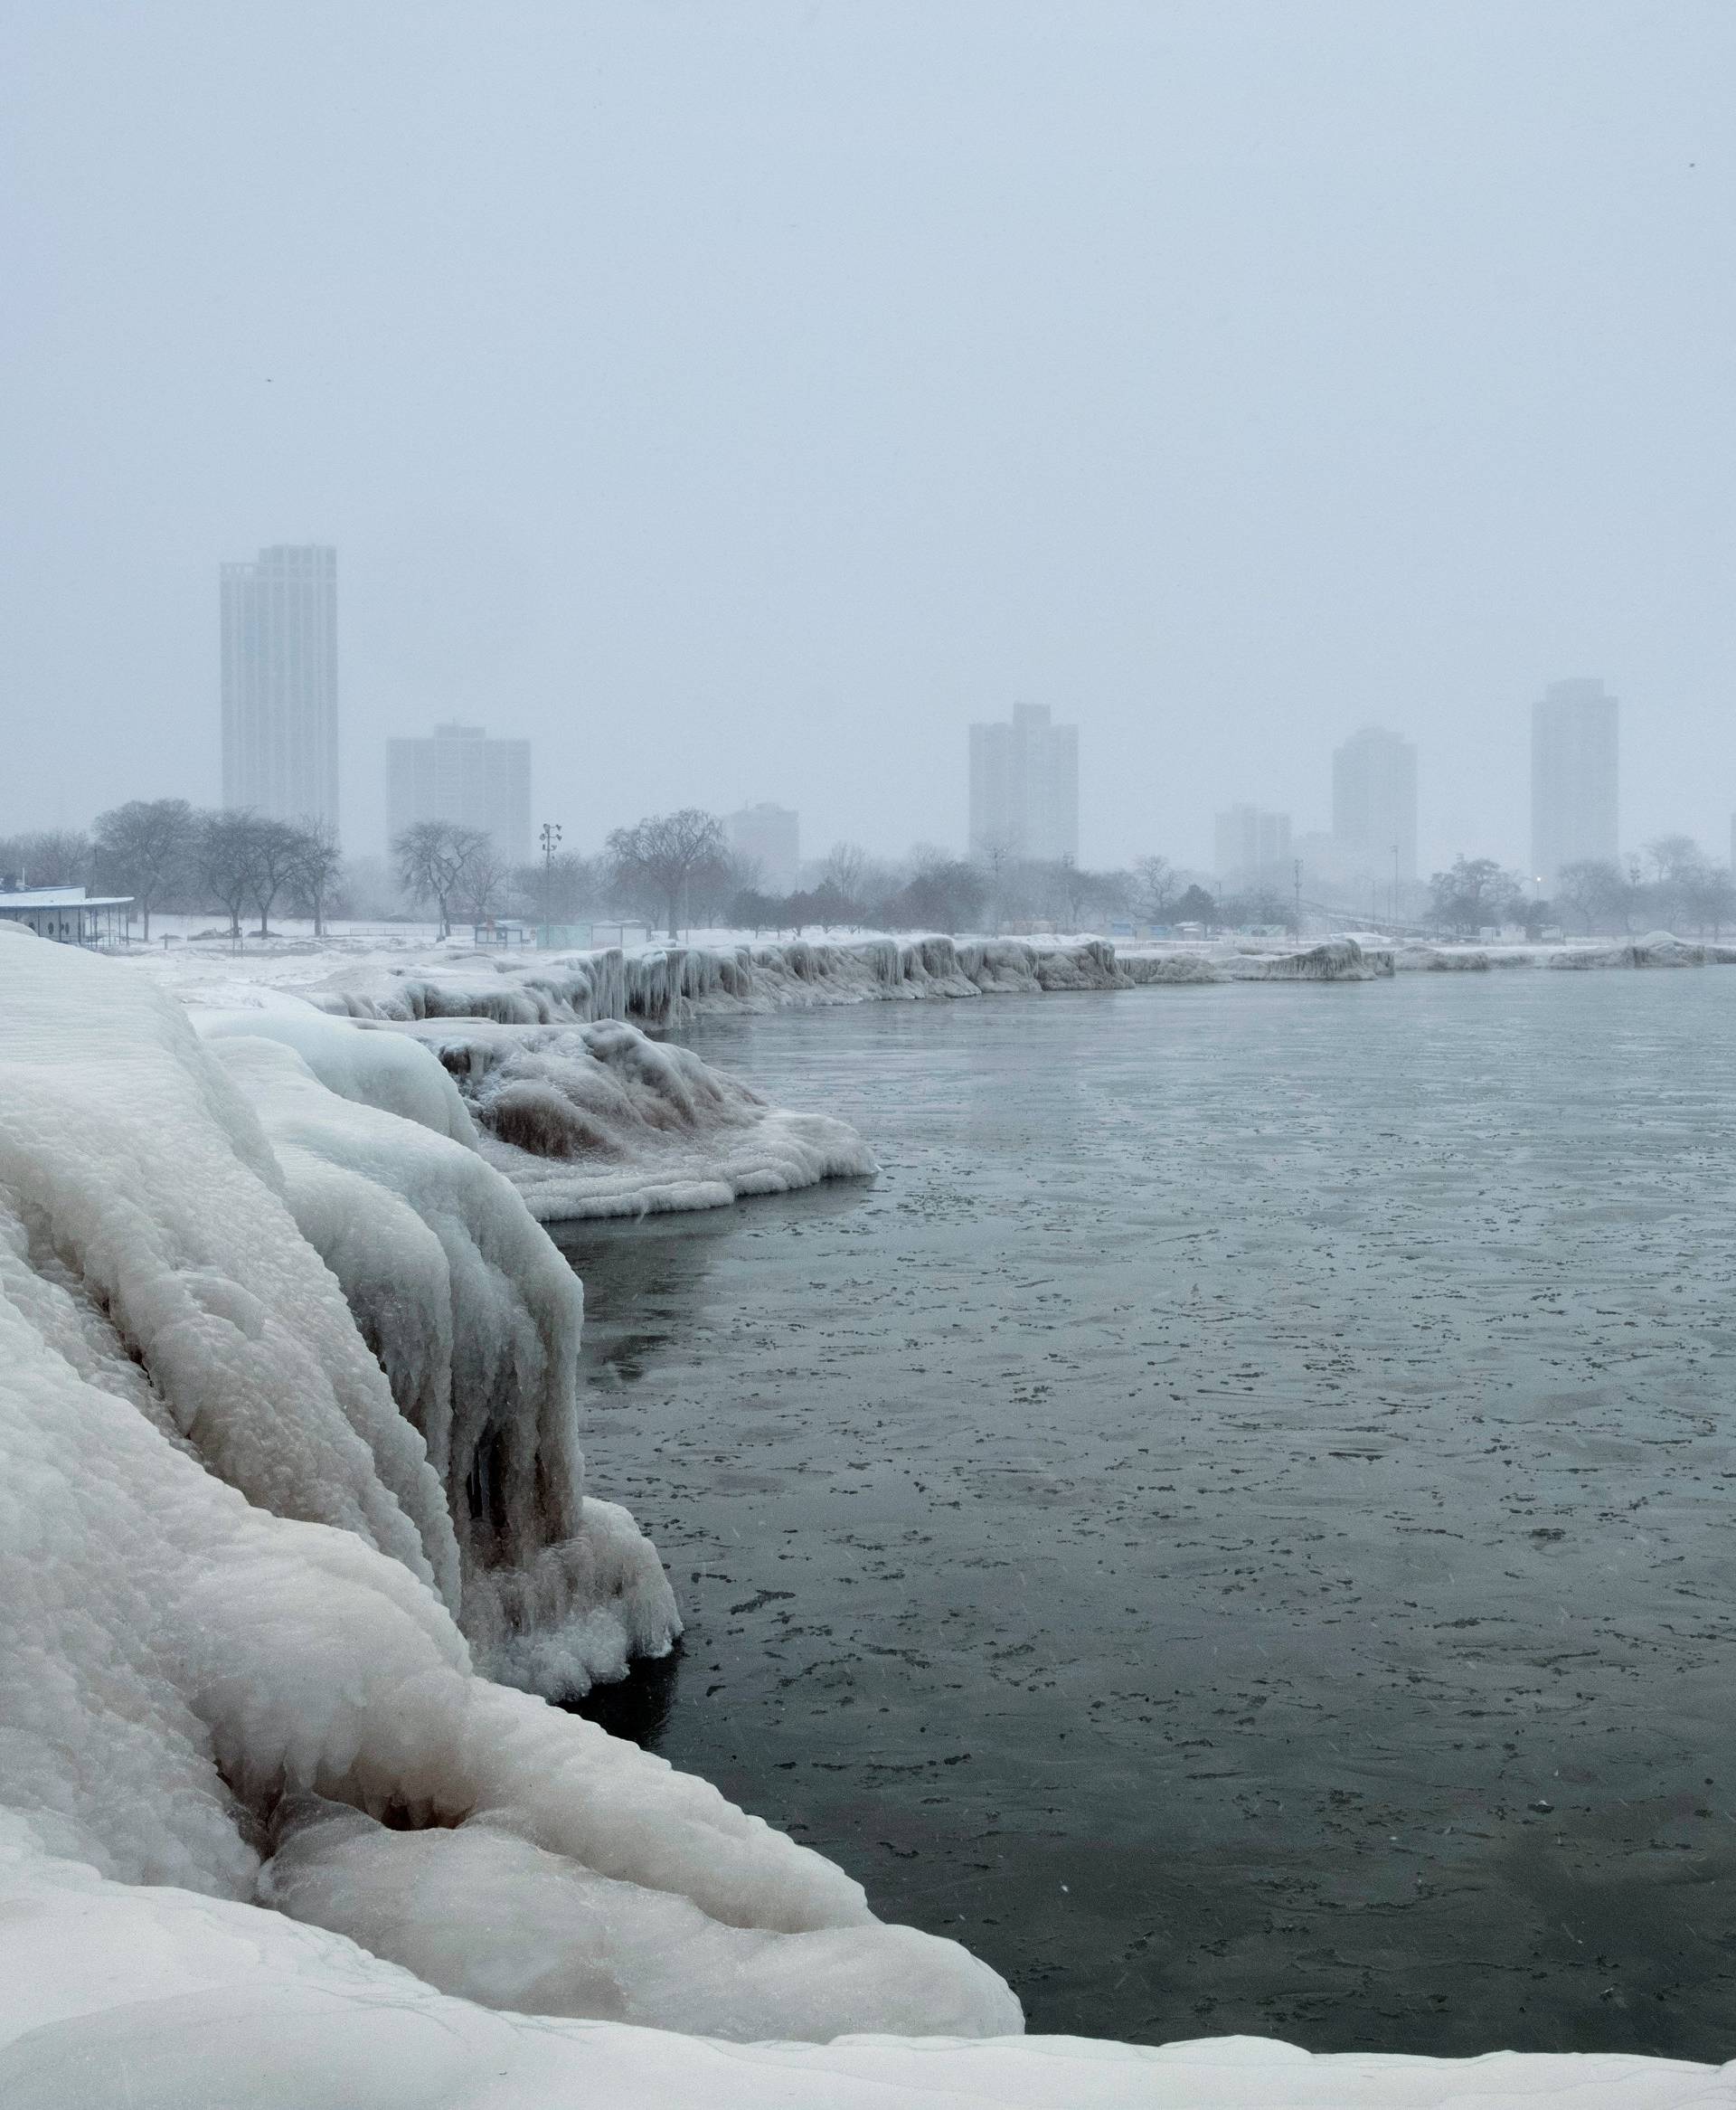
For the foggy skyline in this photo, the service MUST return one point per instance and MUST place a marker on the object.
(738, 403)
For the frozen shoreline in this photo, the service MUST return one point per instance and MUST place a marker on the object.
(272, 1837)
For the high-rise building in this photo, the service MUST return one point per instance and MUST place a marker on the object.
(1025, 787)
(771, 837)
(1575, 730)
(1253, 847)
(279, 684)
(459, 774)
(1374, 804)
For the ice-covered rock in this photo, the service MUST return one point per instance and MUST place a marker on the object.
(1339, 959)
(598, 1121)
(475, 1318)
(662, 987)
(229, 1566)
(1657, 949)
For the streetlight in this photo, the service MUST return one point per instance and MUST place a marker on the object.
(550, 840)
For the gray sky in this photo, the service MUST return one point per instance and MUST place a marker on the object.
(740, 399)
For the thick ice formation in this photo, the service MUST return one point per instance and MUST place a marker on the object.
(661, 988)
(129, 1998)
(228, 1564)
(597, 1121)
(1657, 949)
(475, 1318)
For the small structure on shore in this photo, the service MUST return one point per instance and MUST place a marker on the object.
(68, 915)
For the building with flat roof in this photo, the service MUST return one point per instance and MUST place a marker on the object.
(1575, 786)
(1025, 787)
(770, 837)
(68, 915)
(1374, 806)
(458, 775)
(1253, 847)
(280, 682)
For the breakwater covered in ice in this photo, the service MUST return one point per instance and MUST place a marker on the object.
(662, 988)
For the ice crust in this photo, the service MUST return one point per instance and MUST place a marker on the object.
(230, 1568)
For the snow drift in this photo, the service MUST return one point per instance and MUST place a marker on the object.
(230, 1662)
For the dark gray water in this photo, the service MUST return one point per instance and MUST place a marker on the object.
(1236, 1525)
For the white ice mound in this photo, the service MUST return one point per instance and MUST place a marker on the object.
(475, 1318)
(131, 1999)
(226, 1562)
(598, 1121)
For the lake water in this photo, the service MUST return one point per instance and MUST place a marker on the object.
(1238, 1523)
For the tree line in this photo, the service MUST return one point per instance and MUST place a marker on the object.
(168, 855)
(1671, 885)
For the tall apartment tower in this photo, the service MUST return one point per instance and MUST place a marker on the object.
(771, 836)
(280, 682)
(1025, 787)
(1253, 847)
(1375, 802)
(459, 774)
(1575, 734)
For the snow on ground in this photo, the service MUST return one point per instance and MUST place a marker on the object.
(157, 1999)
(267, 1837)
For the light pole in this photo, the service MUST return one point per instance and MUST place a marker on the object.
(550, 840)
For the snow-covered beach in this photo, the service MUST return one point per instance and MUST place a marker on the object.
(292, 1468)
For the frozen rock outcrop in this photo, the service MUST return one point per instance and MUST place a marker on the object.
(229, 1571)
(1657, 949)
(598, 1121)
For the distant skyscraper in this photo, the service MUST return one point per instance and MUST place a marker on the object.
(1253, 847)
(1025, 786)
(279, 684)
(1375, 802)
(771, 836)
(461, 775)
(1574, 763)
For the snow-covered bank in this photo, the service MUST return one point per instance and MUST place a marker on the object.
(230, 1569)
(123, 1998)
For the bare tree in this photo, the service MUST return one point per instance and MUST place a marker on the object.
(59, 857)
(146, 846)
(225, 857)
(433, 859)
(277, 844)
(314, 866)
(1158, 886)
(486, 877)
(658, 860)
(845, 868)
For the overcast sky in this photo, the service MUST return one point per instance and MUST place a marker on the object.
(738, 398)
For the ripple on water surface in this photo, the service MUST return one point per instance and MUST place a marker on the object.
(1236, 1524)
